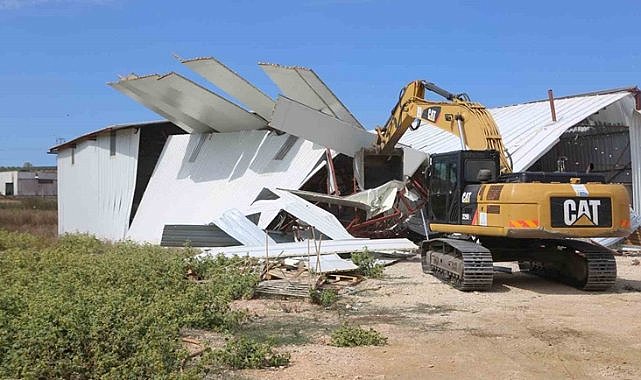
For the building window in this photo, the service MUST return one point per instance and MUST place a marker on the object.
(112, 143)
(73, 156)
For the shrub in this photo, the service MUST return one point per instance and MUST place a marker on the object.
(242, 352)
(80, 308)
(367, 264)
(323, 297)
(351, 336)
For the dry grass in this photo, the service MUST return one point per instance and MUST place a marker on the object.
(34, 215)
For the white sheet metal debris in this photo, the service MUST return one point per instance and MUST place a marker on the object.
(304, 86)
(142, 90)
(233, 84)
(306, 247)
(330, 264)
(196, 179)
(373, 201)
(193, 101)
(308, 213)
(300, 120)
(236, 225)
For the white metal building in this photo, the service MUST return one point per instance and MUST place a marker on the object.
(213, 155)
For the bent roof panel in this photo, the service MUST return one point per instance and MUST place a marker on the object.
(194, 102)
(233, 84)
(306, 87)
(527, 129)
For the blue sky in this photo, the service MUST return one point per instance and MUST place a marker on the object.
(58, 55)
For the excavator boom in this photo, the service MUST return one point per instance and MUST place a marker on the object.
(470, 121)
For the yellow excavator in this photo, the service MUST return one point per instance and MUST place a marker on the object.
(480, 212)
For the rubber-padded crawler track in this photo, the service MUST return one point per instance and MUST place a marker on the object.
(463, 264)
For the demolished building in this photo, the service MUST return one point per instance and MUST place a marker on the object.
(214, 167)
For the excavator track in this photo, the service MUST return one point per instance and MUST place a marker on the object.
(583, 265)
(461, 263)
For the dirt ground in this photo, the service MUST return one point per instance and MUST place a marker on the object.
(525, 328)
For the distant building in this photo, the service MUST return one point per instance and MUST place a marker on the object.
(29, 183)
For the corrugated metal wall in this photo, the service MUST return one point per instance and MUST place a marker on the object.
(228, 171)
(95, 188)
(635, 153)
(606, 148)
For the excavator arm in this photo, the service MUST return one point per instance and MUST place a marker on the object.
(470, 121)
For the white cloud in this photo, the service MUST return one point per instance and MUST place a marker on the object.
(18, 4)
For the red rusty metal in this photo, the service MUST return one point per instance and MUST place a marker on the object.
(551, 99)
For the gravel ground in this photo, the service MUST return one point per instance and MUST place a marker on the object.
(524, 328)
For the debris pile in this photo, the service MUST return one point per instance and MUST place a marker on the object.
(280, 179)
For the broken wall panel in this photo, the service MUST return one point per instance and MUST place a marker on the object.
(233, 84)
(229, 171)
(304, 86)
(187, 103)
(142, 91)
(307, 247)
(234, 223)
(300, 120)
(308, 213)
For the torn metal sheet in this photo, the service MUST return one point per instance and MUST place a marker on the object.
(306, 247)
(330, 264)
(329, 199)
(308, 213)
(229, 170)
(379, 199)
(234, 223)
(233, 84)
(412, 160)
(373, 201)
(300, 120)
(173, 92)
(304, 86)
(138, 89)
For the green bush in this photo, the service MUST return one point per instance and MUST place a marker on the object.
(367, 264)
(80, 308)
(323, 297)
(242, 352)
(352, 336)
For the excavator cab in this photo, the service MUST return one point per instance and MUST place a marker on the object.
(454, 179)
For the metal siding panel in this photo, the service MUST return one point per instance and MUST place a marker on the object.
(302, 248)
(635, 155)
(305, 86)
(527, 129)
(208, 107)
(229, 172)
(138, 89)
(234, 223)
(299, 120)
(177, 235)
(95, 193)
(233, 84)
(187, 104)
(312, 215)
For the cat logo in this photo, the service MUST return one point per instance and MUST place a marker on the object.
(585, 212)
(467, 196)
(431, 114)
